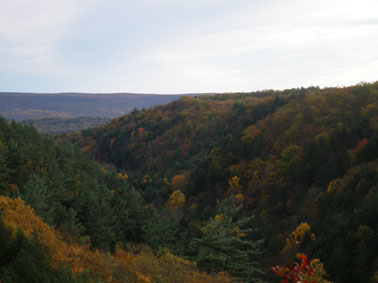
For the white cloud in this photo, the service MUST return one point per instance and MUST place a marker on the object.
(280, 44)
(30, 31)
(264, 44)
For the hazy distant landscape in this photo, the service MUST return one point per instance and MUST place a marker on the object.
(55, 126)
(57, 113)
(23, 106)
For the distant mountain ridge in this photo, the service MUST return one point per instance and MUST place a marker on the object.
(56, 126)
(23, 106)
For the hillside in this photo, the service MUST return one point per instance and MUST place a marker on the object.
(23, 106)
(303, 161)
(65, 218)
(61, 261)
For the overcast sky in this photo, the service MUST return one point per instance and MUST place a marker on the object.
(185, 46)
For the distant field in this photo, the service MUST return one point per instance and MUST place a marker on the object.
(24, 106)
(55, 126)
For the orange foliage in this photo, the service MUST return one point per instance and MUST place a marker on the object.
(123, 176)
(17, 215)
(234, 186)
(143, 265)
(178, 182)
(239, 198)
(13, 187)
(138, 264)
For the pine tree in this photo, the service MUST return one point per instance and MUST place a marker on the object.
(37, 195)
(3, 168)
(128, 204)
(159, 230)
(226, 246)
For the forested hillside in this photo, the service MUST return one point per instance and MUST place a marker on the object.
(302, 161)
(65, 218)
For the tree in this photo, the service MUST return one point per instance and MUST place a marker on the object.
(306, 271)
(176, 200)
(227, 246)
(159, 230)
(178, 182)
(128, 205)
(296, 237)
(3, 167)
(36, 194)
(25, 259)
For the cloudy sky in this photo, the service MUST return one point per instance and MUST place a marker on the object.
(185, 46)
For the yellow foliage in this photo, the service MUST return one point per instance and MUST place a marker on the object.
(317, 274)
(234, 186)
(334, 185)
(218, 218)
(234, 183)
(146, 179)
(140, 264)
(17, 215)
(250, 134)
(241, 235)
(123, 176)
(176, 200)
(296, 237)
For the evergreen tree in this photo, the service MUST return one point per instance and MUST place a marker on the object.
(3, 168)
(37, 195)
(225, 244)
(159, 230)
(128, 204)
(93, 204)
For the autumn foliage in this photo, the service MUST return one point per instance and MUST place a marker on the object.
(295, 272)
(133, 264)
(304, 271)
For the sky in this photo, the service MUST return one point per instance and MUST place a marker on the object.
(186, 46)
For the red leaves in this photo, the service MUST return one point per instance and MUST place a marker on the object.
(361, 144)
(293, 271)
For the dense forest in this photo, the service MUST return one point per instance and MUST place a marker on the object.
(216, 188)
(65, 218)
(302, 161)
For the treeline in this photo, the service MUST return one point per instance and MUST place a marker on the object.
(303, 161)
(55, 126)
